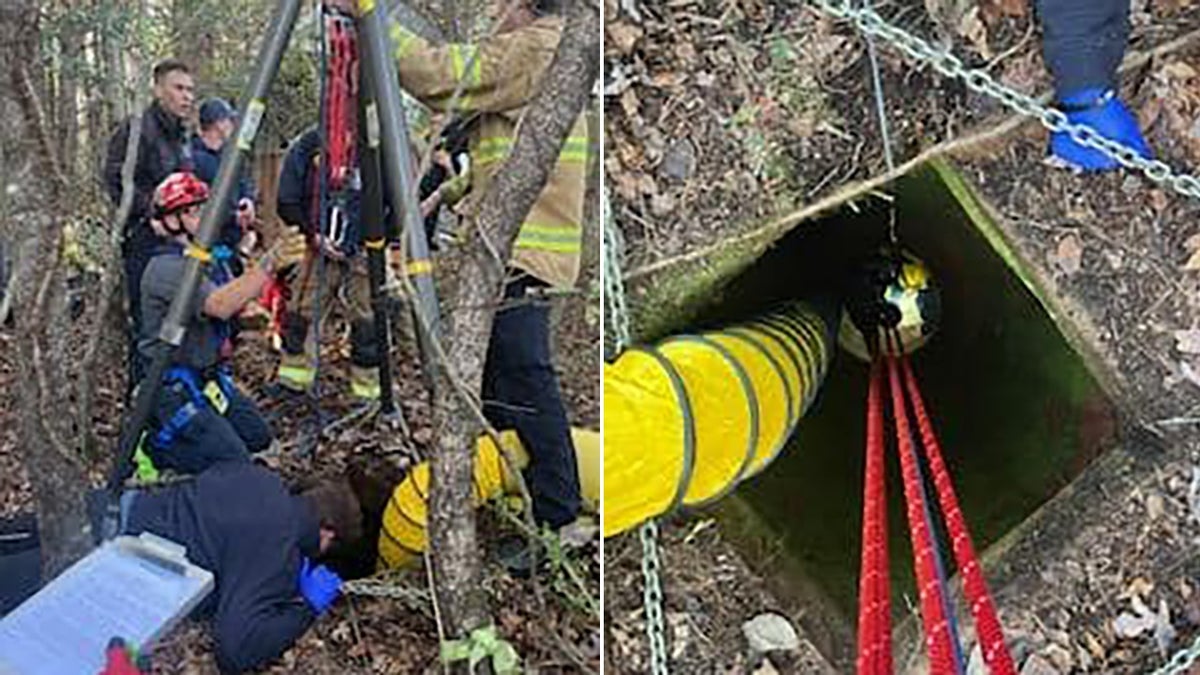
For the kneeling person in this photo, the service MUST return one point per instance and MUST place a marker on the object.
(238, 520)
(200, 416)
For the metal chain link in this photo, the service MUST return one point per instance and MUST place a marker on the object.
(415, 598)
(653, 598)
(617, 316)
(946, 63)
(979, 81)
(1182, 660)
(617, 312)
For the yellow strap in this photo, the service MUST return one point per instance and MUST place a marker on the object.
(421, 266)
(298, 374)
(375, 243)
(199, 253)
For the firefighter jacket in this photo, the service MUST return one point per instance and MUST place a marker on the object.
(498, 78)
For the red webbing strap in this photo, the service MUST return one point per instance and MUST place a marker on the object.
(874, 603)
(987, 625)
(934, 620)
(341, 98)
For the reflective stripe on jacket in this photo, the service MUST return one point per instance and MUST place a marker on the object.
(499, 76)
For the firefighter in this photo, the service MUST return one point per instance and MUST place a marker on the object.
(498, 77)
(200, 416)
(346, 279)
(1084, 42)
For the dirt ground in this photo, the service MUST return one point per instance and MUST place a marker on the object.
(722, 116)
(364, 634)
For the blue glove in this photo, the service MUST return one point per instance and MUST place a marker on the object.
(319, 585)
(1101, 110)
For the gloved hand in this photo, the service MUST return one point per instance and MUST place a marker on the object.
(319, 585)
(1101, 110)
(289, 249)
(118, 660)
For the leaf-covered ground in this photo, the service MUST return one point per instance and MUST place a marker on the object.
(365, 634)
(722, 116)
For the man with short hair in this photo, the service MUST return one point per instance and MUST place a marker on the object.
(262, 544)
(218, 121)
(493, 81)
(162, 150)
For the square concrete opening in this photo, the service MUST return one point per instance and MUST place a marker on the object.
(1016, 408)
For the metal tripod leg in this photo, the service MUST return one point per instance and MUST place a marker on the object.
(174, 325)
(397, 170)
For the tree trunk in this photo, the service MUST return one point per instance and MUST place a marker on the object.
(58, 480)
(563, 94)
(67, 119)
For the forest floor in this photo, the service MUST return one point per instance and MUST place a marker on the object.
(725, 118)
(369, 634)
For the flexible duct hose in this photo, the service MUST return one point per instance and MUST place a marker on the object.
(403, 538)
(688, 419)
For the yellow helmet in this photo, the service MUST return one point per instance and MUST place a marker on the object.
(899, 294)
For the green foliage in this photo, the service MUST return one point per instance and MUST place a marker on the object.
(481, 644)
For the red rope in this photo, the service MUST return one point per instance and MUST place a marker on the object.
(937, 628)
(341, 97)
(874, 603)
(987, 625)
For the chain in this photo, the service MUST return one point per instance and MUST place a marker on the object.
(617, 313)
(415, 598)
(1182, 660)
(653, 598)
(617, 316)
(946, 63)
(1188, 185)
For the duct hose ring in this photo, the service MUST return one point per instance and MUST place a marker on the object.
(689, 426)
(752, 401)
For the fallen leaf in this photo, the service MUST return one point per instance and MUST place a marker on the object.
(630, 103)
(1193, 262)
(994, 9)
(1127, 625)
(1154, 506)
(1194, 494)
(623, 36)
(971, 27)
(1164, 632)
(1069, 254)
(1188, 341)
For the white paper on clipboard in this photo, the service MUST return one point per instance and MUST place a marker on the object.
(133, 587)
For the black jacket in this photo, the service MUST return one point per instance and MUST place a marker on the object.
(162, 150)
(238, 520)
(1084, 41)
(206, 162)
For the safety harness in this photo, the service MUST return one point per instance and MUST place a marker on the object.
(920, 456)
(211, 387)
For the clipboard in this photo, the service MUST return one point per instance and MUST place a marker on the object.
(136, 588)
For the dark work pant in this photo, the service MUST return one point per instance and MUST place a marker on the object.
(208, 437)
(1084, 41)
(135, 252)
(520, 391)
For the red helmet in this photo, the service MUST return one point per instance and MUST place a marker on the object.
(177, 191)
